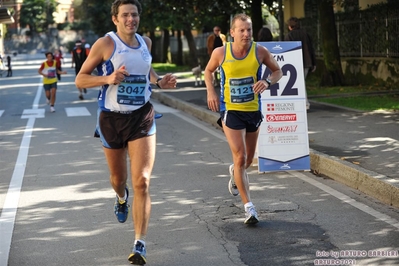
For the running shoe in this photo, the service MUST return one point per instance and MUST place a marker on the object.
(138, 255)
(84, 90)
(251, 216)
(47, 101)
(158, 115)
(232, 185)
(81, 96)
(52, 109)
(121, 209)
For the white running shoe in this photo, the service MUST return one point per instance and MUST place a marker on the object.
(251, 216)
(232, 185)
(52, 109)
(47, 101)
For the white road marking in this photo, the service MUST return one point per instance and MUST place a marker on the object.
(9, 211)
(32, 113)
(363, 207)
(77, 111)
(193, 122)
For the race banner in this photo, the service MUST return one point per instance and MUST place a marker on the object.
(283, 143)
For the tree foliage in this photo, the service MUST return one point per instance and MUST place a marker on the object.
(37, 14)
(179, 17)
(97, 13)
(184, 16)
(200, 15)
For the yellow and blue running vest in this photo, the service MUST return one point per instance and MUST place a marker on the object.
(51, 72)
(236, 92)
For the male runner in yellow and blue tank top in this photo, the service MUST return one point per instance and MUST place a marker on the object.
(240, 64)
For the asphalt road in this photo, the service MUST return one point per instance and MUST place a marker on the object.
(367, 139)
(57, 205)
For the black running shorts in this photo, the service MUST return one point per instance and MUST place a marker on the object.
(117, 129)
(241, 120)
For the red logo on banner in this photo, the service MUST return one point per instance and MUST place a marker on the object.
(280, 107)
(282, 129)
(270, 107)
(281, 118)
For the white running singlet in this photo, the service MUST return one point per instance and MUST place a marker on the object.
(135, 90)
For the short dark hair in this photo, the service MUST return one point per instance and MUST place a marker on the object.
(293, 22)
(117, 3)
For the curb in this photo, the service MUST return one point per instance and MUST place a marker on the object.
(371, 183)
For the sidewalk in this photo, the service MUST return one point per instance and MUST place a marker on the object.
(358, 149)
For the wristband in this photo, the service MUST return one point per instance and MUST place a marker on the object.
(156, 83)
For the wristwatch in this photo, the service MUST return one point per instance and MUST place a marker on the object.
(156, 83)
(268, 81)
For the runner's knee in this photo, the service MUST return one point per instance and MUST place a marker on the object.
(141, 185)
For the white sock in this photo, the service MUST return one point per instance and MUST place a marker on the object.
(248, 205)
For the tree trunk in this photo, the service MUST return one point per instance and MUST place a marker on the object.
(165, 46)
(192, 58)
(155, 56)
(333, 75)
(179, 57)
(281, 20)
(256, 15)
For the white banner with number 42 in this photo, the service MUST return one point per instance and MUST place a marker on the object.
(283, 142)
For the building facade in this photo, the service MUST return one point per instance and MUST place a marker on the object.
(64, 13)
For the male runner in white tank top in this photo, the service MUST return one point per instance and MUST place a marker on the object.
(126, 117)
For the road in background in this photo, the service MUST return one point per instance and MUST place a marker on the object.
(55, 180)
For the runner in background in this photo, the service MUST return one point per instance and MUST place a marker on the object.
(79, 55)
(87, 47)
(49, 71)
(58, 59)
(215, 40)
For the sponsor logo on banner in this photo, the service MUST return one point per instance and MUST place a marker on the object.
(290, 139)
(281, 129)
(277, 47)
(285, 166)
(273, 139)
(280, 107)
(281, 117)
